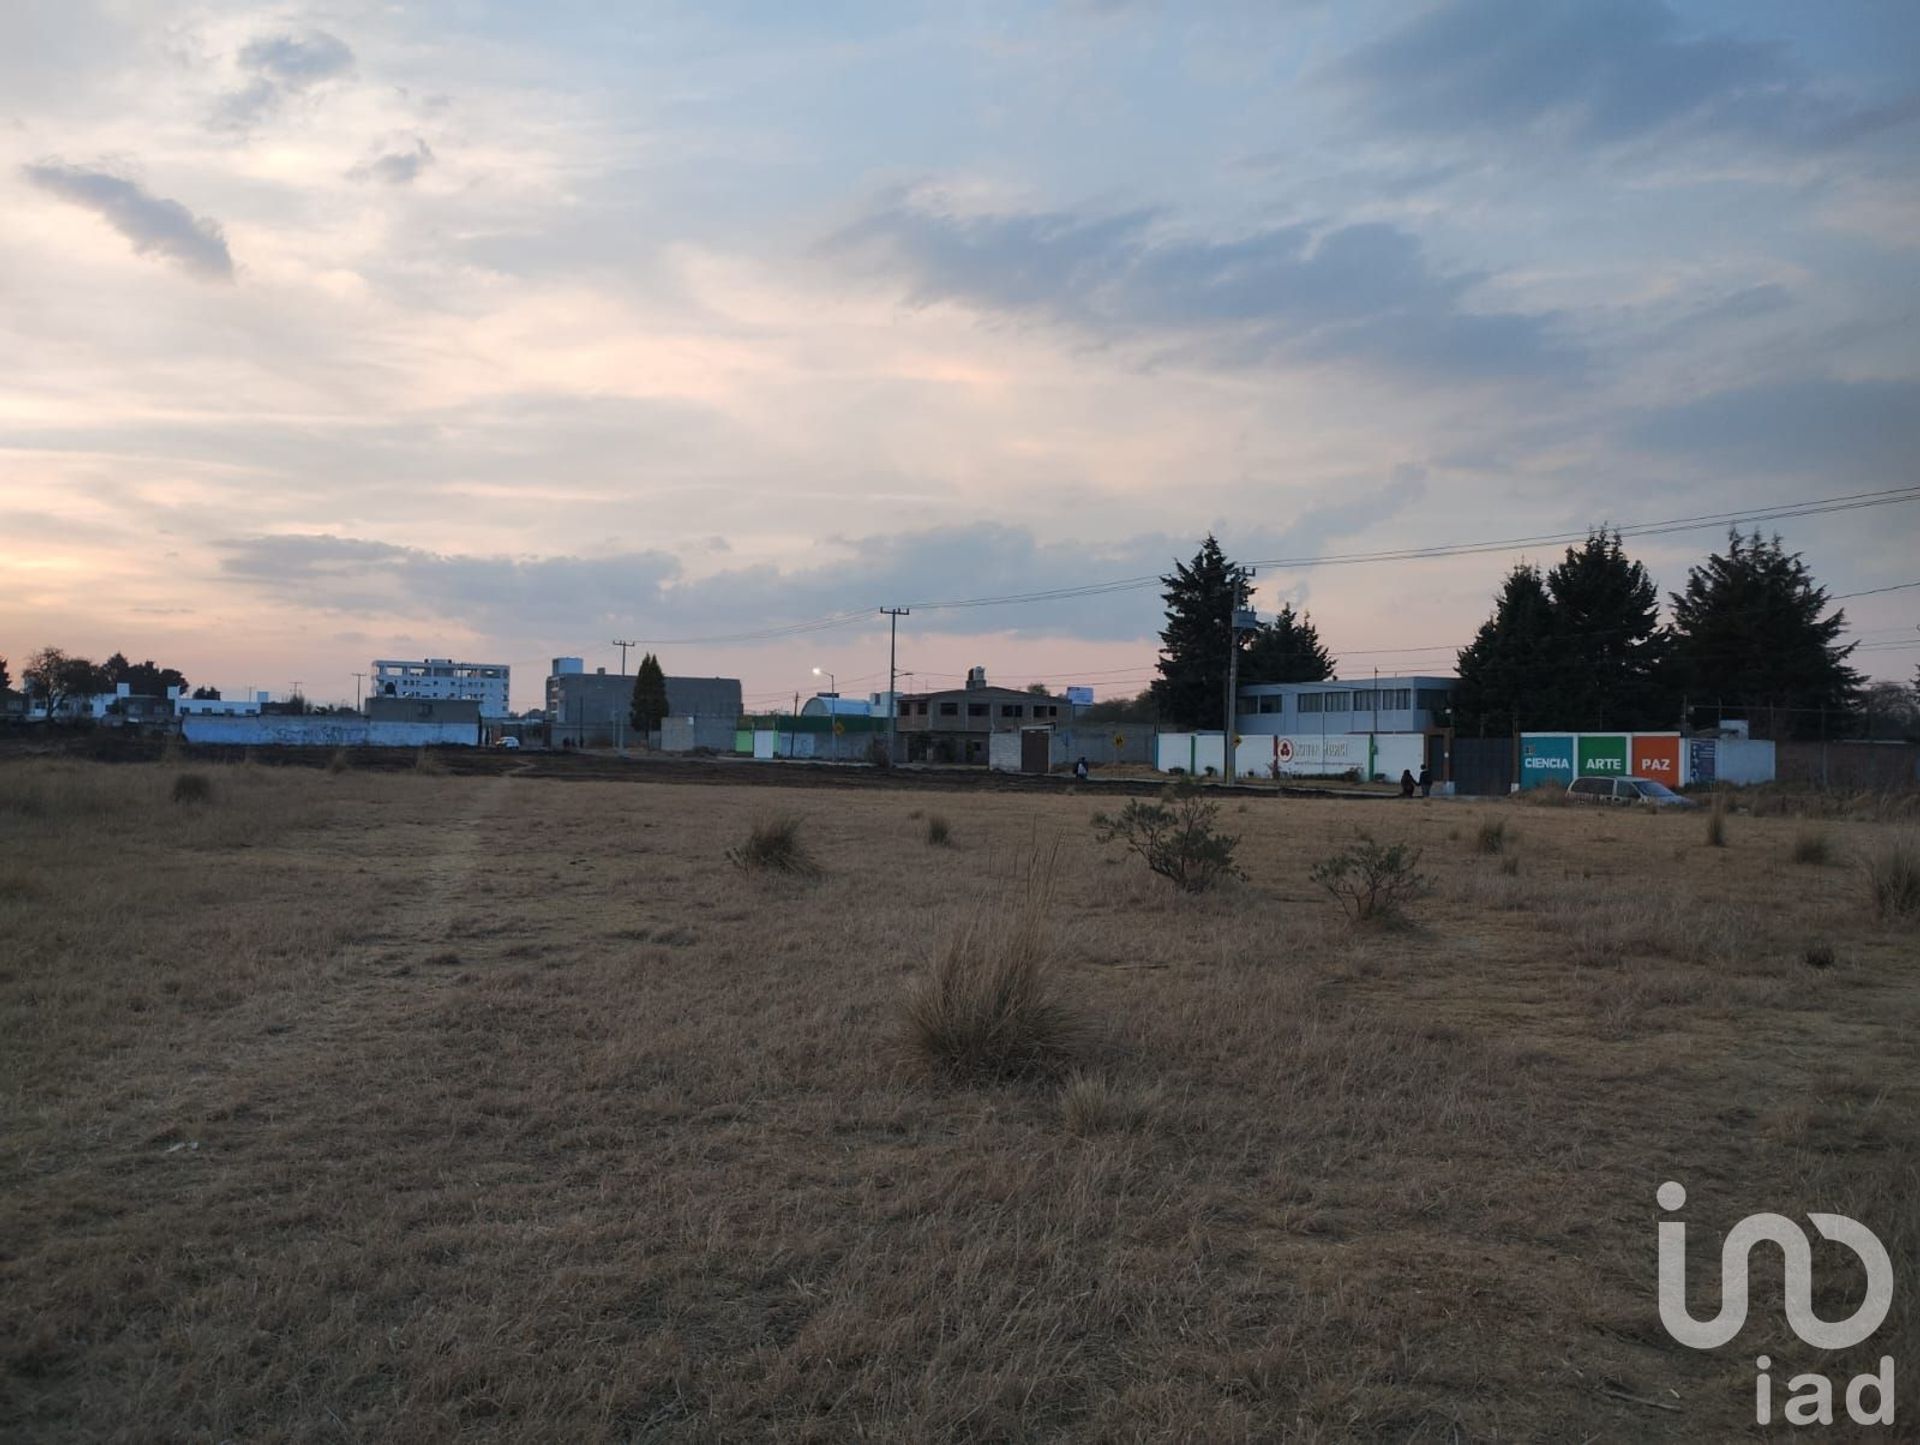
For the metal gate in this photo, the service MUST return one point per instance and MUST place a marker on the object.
(1483, 767)
(1036, 750)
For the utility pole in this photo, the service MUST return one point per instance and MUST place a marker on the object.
(893, 616)
(357, 677)
(623, 646)
(1236, 616)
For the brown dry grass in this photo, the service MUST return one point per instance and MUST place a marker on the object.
(414, 1106)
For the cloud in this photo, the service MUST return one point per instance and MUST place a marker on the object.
(649, 591)
(396, 168)
(1817, 426)
(281, 66)
(1363, 291)
(155, 225)
(1591, 75)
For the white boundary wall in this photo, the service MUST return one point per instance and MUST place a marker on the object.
(326, 732)
(1296, 755)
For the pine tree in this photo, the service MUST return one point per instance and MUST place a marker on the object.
(6, 678)
(649, 695)
(1286, 649)
(1609, 646)
(1507, 672)
(1191, 690)
(1749, 638)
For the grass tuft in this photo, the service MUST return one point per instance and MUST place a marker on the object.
(773, 846)
(1811, 846)
(939, 835)
(1092, 1103)
(426, 762)
(1819, 955)
(991, 1006)
(1717, 822)
(1893, 877)
(193, 788)
(338, 762)
(1492, 837)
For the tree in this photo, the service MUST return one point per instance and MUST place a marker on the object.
(207, 694)
(143, 679)
(1197, 641)
(1507, 671)
(1892, 711)
(649, 695)
(54, 678)
(1750, 637)
(1139, 708)
(1037, 689)
(1286, 649)
(6, 678)
(1609, 646)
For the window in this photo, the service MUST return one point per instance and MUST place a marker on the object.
(1396, 699)
(949, 709)
(976, 709)
(1435, 699)
(1313, 702)
(1012, 709)
(1363, 700)
(1272, 704)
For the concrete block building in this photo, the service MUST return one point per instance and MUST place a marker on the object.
(442, 679)
(592, 709)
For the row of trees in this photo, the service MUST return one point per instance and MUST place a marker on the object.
(52, 677)
(1580, 645)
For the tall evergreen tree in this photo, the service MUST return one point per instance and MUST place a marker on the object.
(1507, 673)
(1201, 595)
(649, 695)
(6, 678)
(1609, 645)
(1286, 649)
(1749, 638)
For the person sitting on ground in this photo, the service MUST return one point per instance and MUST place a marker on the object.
(1426, 781)
(1406, 782)
(1080, 770)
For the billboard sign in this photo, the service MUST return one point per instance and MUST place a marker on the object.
(1657, 756)
(1700, 760)
(1545, 758)
(1080, 696)
(1603, 755)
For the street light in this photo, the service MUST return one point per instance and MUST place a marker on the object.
(833, 686)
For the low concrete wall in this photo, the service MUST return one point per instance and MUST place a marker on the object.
(326, 732)
(1849, 764)
(684, 734)
(1003, 752)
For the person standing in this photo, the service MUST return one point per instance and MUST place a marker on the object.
(1426, 781)
(1406, 782)
(1080, 770)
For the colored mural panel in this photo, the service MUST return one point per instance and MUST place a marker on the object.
(1603, 755)
(1545, 758)
(1657, 757)
(1700, 760)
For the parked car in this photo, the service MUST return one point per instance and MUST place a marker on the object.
(508, 742)
(1642, 791)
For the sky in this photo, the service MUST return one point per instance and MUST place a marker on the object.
(494, 331)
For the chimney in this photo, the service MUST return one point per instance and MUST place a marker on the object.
(976, 678)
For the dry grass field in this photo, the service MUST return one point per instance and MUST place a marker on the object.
(343, 1106)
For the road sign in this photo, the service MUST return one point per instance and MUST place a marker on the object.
(1284, 750)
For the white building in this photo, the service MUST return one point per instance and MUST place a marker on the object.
(486, 683)
(247, 705)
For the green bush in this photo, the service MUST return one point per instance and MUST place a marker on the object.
(1372, 881)
(1175, 836)
(773, 846)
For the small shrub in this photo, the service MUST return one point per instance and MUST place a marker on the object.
(991, 1005)
(1492, 837)
(1091, 1103)
(193, 788)
(1810, 846)
(1819, 955)
(1717, 822)
(1893, 878)
(1373, 881)
(773, 846)
(1510, 865)
(1175, 836)
(938, 834)
(426, 762)
(338, 763)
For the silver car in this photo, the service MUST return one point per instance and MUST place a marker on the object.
(1626, 791)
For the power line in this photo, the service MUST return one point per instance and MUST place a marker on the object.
(1812, 507)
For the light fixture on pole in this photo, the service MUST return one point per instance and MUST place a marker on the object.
(833, 685)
